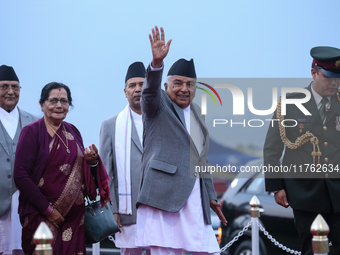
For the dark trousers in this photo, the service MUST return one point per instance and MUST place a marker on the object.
(303, 222)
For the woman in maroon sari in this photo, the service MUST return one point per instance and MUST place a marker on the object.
(50, 171)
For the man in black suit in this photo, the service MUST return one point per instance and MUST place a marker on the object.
(312, 149)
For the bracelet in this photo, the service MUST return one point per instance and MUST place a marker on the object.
(94, 164)
(49, 211)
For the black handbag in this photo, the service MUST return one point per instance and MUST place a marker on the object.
(99, 222)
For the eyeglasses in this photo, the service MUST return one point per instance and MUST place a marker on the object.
(54, 101)
(6, 87)
(189, 85)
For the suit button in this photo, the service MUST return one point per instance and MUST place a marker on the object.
(195, 174)
(9, 176)
(7, 159)
(326, 159)
(324, 128)
(325, 143)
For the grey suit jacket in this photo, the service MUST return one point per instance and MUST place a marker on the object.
(7, 185)
(108, 156)
(170, 156)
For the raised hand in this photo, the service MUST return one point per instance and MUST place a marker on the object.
(158, 47)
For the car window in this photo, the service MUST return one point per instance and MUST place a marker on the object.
(256, 186)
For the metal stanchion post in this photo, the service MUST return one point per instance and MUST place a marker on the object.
(96, 248)
(43, 238)
(255, 214)
(319, 230)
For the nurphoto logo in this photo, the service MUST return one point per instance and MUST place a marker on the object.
(251, 102)
(204, 97)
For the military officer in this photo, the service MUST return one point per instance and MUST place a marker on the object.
(311, 148)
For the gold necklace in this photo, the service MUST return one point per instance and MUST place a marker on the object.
(66, 145)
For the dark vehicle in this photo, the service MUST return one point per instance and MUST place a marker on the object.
(216, 225)
(277, 220)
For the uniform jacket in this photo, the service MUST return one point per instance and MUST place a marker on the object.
(7, 161)
(170, 156)
(322, 192)
(108, 156)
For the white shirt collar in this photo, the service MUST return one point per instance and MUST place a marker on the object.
(137, 119)
(318, 98)
(10, 120)
(186, 112)
(14, 114)
(136, 116)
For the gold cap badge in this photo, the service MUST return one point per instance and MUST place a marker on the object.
(337, 63)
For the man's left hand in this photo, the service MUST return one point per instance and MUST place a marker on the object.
(217, 209)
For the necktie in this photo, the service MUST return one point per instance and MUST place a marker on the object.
(322, 108)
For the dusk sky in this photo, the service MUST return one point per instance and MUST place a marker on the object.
(88, 45)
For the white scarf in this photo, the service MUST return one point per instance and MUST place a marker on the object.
(123, 149)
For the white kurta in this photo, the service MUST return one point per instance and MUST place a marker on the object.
(182, 230)
(185, 229)
(126, 239)
(10, 228)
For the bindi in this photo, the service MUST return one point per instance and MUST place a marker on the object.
(59, 89)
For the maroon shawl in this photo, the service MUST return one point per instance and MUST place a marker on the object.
(40, 159)
(31, 157)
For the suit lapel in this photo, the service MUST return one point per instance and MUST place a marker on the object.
(23, 119)
(3, 140)
(200, 119)
(335, 106)
(195, 110)
(179, 113)
(134, 136)
(312, 107)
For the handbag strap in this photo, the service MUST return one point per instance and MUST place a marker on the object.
(88, 201)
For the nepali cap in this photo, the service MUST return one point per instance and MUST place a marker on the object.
(136, 69)
(183, 67)
(7, 73)
(328, 59)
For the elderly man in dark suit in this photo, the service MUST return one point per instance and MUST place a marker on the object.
(173, 204)
(120, 147)
(315, 185)
(12, 120)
